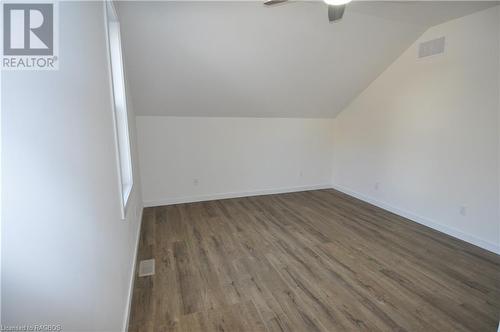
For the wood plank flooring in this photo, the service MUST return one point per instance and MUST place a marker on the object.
(309, 261)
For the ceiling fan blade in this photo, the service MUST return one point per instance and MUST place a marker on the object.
(273, 2)
(335, 13)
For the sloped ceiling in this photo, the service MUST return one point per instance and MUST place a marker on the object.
(247, 60)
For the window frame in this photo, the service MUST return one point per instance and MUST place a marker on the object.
(119, 106)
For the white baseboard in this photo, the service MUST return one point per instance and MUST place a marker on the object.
(495, 248)
(132, 279)
(201, 198)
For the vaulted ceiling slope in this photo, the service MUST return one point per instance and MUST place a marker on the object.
(242, 59)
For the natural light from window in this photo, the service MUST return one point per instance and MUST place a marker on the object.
(120, 106)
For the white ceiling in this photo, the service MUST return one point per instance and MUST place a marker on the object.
(245, 59)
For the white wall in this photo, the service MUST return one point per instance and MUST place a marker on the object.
(66, 255)
(498, 133)
(427, 131)
(231, 156)
(1, 214)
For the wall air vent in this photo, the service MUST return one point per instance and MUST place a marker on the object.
(431, 47)
(147, 268)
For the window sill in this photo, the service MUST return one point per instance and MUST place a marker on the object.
(127, 190)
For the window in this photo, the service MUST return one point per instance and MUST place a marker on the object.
(124, 159)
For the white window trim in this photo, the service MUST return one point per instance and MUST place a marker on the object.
(122, 161)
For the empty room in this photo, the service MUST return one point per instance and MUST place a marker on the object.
(271, 165)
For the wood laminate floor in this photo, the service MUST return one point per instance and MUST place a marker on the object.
(308, 261)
